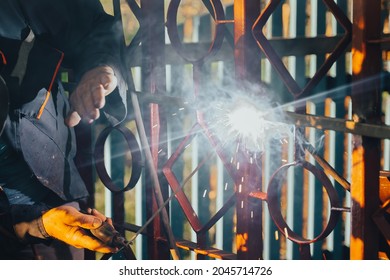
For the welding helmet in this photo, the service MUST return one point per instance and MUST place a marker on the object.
(4, 103)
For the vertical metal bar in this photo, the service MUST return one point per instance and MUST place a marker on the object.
(246, 52)
(386, 148)
(340, 79)
(153, 73)
(295, 29)
(366, 108)
(117, 175)
(83, 162)
(247, 61)
(330, 157)
(277, 31)
(204, 35)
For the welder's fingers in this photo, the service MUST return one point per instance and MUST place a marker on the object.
(67, 224)
(99, 215)
(90, 95)
(73, 119)
(80, 239)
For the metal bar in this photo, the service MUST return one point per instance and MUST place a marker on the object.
(154, 81)
(366, 106)
(247, 63)
(84, 165)
(346, 126)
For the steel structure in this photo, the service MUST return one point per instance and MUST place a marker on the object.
(243, 35)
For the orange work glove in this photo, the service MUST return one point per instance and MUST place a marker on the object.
(67, 224)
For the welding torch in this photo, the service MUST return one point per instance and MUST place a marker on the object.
(107, 234)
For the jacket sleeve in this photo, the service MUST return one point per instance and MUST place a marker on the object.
(88, 37)
(23, 224)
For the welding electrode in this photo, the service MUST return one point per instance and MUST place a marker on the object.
(108, 235)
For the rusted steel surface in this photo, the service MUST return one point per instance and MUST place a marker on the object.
(366, 109)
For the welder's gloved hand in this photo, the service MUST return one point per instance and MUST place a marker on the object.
(67, 224)
(90, 95)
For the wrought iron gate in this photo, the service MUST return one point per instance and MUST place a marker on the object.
(305, 185)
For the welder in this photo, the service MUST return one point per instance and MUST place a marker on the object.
(40, 188)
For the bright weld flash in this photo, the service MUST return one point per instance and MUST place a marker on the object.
(245, 121)
(254, 126)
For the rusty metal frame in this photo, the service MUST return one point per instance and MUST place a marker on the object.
(274, 58)
(249, 42)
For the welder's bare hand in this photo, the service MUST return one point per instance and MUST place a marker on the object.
(90, 95)
(69, 225)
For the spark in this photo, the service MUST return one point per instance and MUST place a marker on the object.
(286, 232)
(226, 185)
(204, 193)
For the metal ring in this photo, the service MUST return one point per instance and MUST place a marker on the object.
(275, 212)
(171, 24)
(137, 162)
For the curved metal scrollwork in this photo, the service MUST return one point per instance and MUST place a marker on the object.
(171, 24)
(137, 162)
(274, 202)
